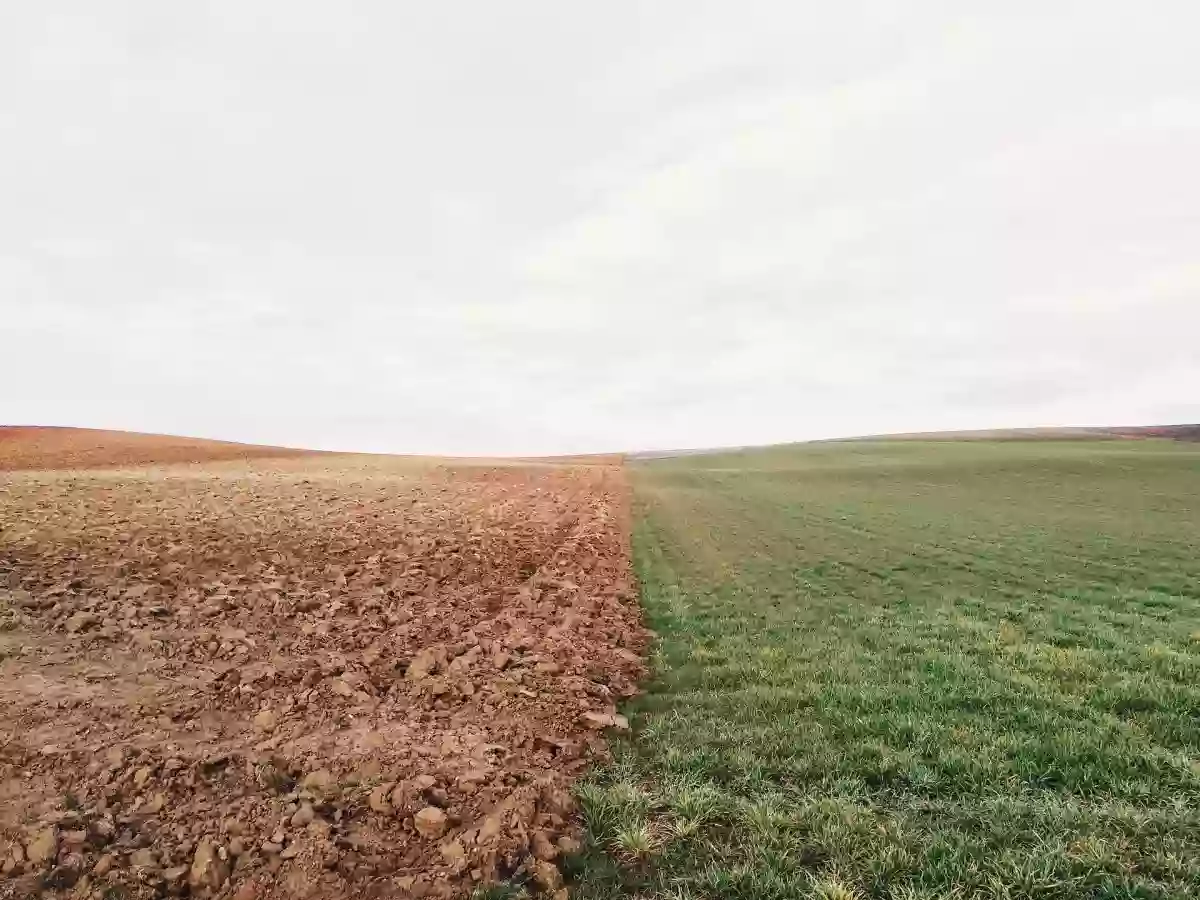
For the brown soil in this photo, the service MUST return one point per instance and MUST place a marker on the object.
(1172, 432)
(1175, 432)
(324, 676)
(37, 447)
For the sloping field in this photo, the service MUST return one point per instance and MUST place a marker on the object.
(1173, 432)
(311, 676)
(26, 447)
(913, 670)
(1098, 433)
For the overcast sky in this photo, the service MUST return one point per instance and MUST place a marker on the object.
(484, 227)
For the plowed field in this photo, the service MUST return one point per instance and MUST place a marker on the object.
(87, 448)
(315, 676)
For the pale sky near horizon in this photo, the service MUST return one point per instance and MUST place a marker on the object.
(546, 227)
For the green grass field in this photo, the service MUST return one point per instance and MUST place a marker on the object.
(912, 670)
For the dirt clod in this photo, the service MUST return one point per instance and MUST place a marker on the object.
(430, 822)
(303, 816)
(546, 875)
(378, 799)
(43, 848)
(143, 858)
(81, 621)
(208, 870)
(265, 720)
(318, 782)
(542, 847)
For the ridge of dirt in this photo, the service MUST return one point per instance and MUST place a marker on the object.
(324, 677)
(25, 447)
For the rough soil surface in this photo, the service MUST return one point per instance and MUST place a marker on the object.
(315, 677)
(36, 447)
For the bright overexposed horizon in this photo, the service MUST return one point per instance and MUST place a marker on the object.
(541, 228)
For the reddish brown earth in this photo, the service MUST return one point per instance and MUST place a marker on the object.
(1172, 432)
(322, 676)
(35, 447)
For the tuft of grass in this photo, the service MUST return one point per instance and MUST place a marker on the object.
(833, 888)
(693, 807)
(635, 841)
(612, 808)
(766, 818)
(501, 892)
(912, 671)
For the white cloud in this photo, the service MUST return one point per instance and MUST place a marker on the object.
(517, 228)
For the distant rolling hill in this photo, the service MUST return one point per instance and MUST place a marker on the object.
(46, 447)
(54, 447)
(1173, 432)
(1113, 433)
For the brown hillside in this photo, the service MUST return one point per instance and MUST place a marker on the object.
(39, 447)
(1174, 432)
